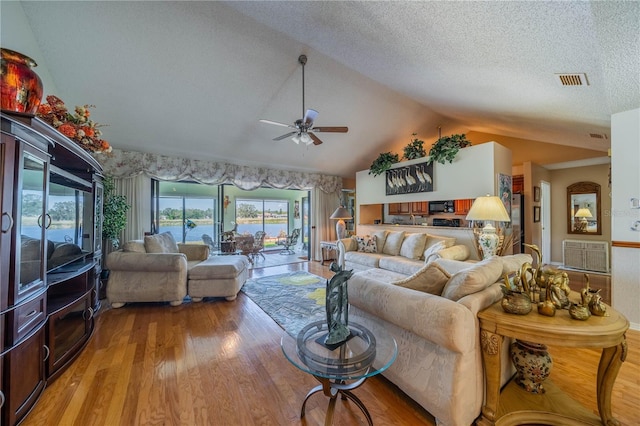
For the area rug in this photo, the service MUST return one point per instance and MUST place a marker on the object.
(293, 299)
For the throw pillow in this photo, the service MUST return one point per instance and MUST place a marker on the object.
(430, 278)
(367, 244)
(457, 252)
(160, 243)
(413, 246)
(393, 243)
(474, 279)
(434, 239)
(135, 246)
(431, 253)
(381, 237)
(514, 262)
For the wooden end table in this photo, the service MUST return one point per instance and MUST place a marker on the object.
(513, 405)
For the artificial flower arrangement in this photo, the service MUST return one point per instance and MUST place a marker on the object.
(77, 126)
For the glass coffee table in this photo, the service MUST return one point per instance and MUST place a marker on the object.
(343, 368)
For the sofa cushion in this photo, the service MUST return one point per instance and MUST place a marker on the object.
(160, 243)
(380, 275)
(430, 278)
(381, 237)
(135, 246)
(452, 266)
(393, 243)
(433, 239)
(457, 252)
(431, 253)
(514, 262)
(474, 279)
(413, 246)
(370, 260)
(367, 244)
(400, 264)
(218, 267)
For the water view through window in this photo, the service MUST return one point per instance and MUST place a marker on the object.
(270, 216)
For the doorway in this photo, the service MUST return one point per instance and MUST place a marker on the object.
(545, 219)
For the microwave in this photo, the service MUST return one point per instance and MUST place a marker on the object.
(441, 207)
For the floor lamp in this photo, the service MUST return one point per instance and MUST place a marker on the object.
(488, 209)
(341, 214)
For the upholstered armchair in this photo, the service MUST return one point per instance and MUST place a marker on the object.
(258, 245)
(153, 270)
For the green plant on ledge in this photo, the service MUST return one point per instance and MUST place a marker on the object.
(446, 148)
(414, 149)
(383, 163)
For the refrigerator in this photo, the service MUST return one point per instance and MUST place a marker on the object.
(517, 222)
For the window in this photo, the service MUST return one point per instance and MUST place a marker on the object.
(193, 204)
(270, 216)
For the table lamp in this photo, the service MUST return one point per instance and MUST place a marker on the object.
(341, 214)
(582, 214)
(488, 208)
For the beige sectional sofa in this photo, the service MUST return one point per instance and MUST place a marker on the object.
(157, 269)
(432, 313)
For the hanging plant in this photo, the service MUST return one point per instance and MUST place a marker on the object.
(383, 163)
(446, 148)
(414, 149)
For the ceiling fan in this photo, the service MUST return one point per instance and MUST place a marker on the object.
(303, 130)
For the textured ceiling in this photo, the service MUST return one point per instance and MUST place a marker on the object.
(193, 78)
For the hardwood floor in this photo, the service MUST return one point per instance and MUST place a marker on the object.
(219, 363)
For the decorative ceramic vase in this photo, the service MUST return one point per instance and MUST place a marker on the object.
(21, 86)
(533, 364)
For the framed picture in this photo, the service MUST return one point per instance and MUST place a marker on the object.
(296, 209)
(536, 194)
(409, 179)
(536, 214)
(505, 191)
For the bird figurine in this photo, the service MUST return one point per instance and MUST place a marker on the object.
(579, 312)
(515, 302)
(596, 306)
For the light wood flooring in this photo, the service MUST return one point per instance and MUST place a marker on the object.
(220, 363)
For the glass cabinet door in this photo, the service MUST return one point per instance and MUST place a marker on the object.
(31, 224)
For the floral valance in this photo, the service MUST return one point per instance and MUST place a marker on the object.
(126, 164)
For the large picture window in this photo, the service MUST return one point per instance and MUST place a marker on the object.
(270, 216)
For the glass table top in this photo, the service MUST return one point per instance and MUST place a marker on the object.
(364, 354)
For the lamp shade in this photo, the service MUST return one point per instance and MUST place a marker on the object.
(583, 212)
(341, 213)
(488, 207)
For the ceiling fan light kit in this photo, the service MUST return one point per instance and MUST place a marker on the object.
(301, 128)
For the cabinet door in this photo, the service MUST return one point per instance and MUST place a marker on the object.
(30, 224)
(7, 172)
(462, 206)
(25, 370)
(420, 208)
(399, 208)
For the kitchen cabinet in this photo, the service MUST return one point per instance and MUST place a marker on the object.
(416, 208)
(420, 208)
(462, 206)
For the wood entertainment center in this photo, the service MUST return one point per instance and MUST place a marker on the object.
(50, 258)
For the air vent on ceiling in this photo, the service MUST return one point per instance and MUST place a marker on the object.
(579, 79)
(598, 136)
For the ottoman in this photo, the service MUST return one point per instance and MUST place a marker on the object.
(218, 276)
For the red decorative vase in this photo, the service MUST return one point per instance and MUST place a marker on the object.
(21, 86)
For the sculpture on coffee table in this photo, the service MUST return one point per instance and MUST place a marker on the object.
(337, 306)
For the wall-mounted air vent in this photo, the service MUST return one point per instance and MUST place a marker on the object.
(579, 79)
(602, 136)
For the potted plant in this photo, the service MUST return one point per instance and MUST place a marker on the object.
(114, 212)
(414, 149)
(383, 163)
(446, 148)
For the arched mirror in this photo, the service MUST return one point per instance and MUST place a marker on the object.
(583, 209)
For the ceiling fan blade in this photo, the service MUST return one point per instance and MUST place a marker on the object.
(316, 140)
(277, 123)
(309, 117)
(334, 129)
(279, 138)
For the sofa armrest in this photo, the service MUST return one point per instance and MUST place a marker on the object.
(441, 321)
(146, 262)
(344, 245)
(194, 251)
(481, 300)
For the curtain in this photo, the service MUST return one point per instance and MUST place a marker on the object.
(137, 190)
(323, 229)
(128, 164)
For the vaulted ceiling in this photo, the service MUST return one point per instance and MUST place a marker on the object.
(192, 79)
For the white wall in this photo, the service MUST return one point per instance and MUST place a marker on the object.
(472, 174)
(16, 35)
(625, 185)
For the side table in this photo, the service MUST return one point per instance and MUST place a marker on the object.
(513, 405)
(343, 368)
(329, 246)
